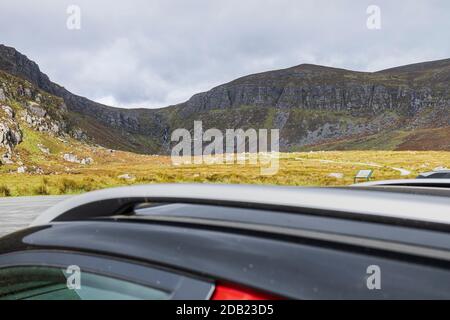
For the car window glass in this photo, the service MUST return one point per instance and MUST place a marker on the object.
(50, 283)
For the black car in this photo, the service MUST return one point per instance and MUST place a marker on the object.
(437, 174)
(235, 242)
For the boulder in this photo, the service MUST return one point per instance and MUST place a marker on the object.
(43, 149)
(38, 170)
(87, 160)
(78, 134)
(28, 92)
(69, 157)
(126, 176)
(8, 110)
(336, 175)
(22, 169)
(36, 109)
(6, 158)
(9, 136)
(54, 127)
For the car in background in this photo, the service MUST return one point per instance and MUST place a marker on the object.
(186, 241)
(435, 174)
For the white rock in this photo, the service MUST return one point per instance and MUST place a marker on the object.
(336, 175)
(21, 169)
(69, 157)
(87, 161)
(39, 170)
(8, 110)
(43, 149)
(126, 176)
(6, 159)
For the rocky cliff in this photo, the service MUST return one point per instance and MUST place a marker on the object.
(312, 106)
(24, 106)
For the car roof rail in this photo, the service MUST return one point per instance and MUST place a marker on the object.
(423, 182)
(335, 202)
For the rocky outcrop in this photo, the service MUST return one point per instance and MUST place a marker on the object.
(23, 105)
(2, 95)
(9, 136)
(124, 121)
(10, 133)
(37, 118)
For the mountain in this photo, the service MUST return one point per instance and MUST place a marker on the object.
(112, 127)
(315, 107)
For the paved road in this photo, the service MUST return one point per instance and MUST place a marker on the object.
(18, 212)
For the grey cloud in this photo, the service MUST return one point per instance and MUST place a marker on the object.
(155, 53)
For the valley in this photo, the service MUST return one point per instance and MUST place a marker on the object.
(332, 123)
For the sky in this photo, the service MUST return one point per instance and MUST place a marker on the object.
(155, 53)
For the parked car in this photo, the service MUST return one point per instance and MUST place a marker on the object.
(437, 174)
(183, 241)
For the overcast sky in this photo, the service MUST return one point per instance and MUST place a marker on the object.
(152, 53)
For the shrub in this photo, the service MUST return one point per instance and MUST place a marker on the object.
(42, 190)
(68, 186)
(88, 184)
(5, 191)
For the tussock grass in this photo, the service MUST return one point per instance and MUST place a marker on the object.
(43, 188)
(5, 191)
(296, 169)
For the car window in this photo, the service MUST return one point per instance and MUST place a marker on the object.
(100, 277)
(51, 283)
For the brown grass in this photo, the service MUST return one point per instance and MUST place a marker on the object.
(296, 169)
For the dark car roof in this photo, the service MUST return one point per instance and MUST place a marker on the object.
(303, 256)
(279, 241)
